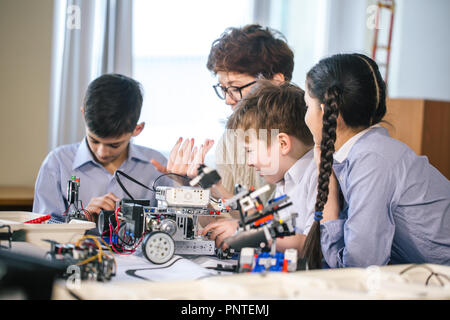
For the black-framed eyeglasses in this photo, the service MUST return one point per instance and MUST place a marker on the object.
(234, 92)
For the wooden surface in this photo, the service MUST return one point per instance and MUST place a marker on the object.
(396, 282)
(405, 121)
(16, 196)
(424, 126)
(436, 135)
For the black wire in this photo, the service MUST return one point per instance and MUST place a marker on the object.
(77, 297)
(214, 200)
(416, 266)
(169, 174)
(432, 273)
(132, 272)
(437, 277)
(124, 243)
(131, 179)
(153, 189)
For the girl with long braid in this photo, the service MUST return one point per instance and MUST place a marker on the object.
(379, 201)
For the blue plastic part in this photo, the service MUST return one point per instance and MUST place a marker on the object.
(277, 267)
(276, 199)
(113, 239)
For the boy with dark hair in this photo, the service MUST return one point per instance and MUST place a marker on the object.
(111, 110)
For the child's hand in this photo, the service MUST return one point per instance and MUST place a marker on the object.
(198, 158)
(175, 157)
(221, 230)
(106, 202)
(184, 159)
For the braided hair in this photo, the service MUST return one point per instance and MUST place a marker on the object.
(349, 85)
(329, 119)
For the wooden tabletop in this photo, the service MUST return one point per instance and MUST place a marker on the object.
(16, 195)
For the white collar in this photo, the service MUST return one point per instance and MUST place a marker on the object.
(343, 151)
(298, 169)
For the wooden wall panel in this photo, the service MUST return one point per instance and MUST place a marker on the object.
(436, 135)
(424, 125)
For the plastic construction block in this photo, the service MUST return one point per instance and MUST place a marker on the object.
(40, 219)
(264, 257)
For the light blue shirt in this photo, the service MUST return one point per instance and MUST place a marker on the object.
(300, 184)
(76, 160)
(397, 206)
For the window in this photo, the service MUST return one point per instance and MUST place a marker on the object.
(171, 43)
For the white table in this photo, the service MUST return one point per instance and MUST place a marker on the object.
(189, 278)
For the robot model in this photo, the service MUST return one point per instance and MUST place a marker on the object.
(170, 227)
(75, 208)
(85, 259)
(258, 227)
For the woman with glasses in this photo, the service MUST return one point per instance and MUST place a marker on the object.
(238, 58)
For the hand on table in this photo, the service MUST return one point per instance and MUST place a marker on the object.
(220, 230)
(106, 202)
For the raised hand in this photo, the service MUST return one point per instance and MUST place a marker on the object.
(198, 157)
(184, 158)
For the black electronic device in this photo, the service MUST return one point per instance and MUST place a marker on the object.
(5, 235)
(27, 277)
(133, 213)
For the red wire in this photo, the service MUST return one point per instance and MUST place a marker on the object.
(127, 251)
(67, 210)
(87, 214)
(112, 244)
(117, 220)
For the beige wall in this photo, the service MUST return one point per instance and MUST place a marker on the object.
(25, 56)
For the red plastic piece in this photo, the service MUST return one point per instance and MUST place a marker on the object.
(263, 220)
(285, 265)
(247, 266)
(39, 220)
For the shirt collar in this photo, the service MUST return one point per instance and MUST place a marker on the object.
(343, 151)
(298, 169)
(84, 155)
(136, 153)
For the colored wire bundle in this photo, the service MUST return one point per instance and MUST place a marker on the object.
(88, 215)
(126, 243)
(100, 253)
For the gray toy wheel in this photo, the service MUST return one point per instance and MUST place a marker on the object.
(158, 247)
